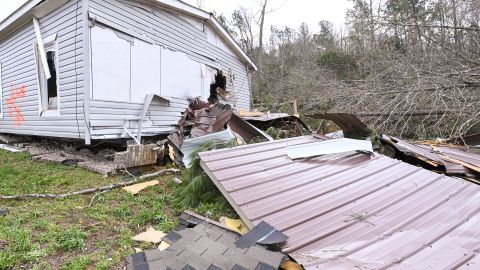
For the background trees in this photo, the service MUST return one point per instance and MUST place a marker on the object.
(407, 67)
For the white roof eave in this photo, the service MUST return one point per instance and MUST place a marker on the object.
(172, 4)
(19, 13)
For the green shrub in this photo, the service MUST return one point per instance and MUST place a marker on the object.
(197, 186)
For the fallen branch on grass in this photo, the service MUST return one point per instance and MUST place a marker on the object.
(90, 190)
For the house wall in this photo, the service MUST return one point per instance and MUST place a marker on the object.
(20, 107)
(171, 34)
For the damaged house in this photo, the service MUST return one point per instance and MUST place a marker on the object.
(112, 69)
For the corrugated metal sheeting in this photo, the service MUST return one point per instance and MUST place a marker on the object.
(353, 210)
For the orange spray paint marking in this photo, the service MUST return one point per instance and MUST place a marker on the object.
(13, 109)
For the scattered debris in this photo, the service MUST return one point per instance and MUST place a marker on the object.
(12, 149)
(136, 188)
(351, 126)
(189, 219)
(219, 86)
(136, 155)
(210, 120)
(216, 123)
(236, 225)
(291, 265)
(334, 146)
(441, 158)
(204, 246)
(285, 125)
(97, 161)
(191, 145)
(308, 200)
(4, 212)
(150, 235)
(163, 245)
(248, 132)
(177, 180)
(90, 190)
(263, 233)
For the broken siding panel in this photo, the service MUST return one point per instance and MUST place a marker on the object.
(18, 56)
(107, 121)
(171, 31)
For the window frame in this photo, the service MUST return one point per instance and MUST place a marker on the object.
(51, 45)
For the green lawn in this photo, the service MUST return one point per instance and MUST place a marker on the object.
(65, 233)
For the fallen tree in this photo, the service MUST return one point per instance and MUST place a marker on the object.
(90, 190)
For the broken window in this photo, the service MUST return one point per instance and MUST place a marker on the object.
(48, 87)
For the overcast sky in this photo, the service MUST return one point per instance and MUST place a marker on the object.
(289, 13)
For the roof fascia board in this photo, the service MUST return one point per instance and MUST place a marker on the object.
(23, 10)
(179, 6)
(46, 7)
(35, 8)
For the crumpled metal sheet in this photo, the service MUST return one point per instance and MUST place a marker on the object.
(351, 211)
(247, 131)
(445, 158)
(191, 145)
(351, 126)
(277, 120)
(211, 120)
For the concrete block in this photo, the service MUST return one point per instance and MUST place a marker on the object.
(136, 155)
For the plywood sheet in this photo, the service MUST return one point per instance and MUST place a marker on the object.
(110, 65)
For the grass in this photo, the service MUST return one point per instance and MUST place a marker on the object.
(66, 233)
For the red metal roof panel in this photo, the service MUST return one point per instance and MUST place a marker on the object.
(351, 210)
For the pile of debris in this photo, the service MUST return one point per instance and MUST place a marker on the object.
(99, 160)
(441, 157)
(200, 243)
(277, 125)
(216, 123)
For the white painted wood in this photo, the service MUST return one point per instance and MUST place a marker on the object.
(110, 65)
(145, 71)
(208, 77)
(41, 48)
(50, 39)
(181, 76)
(50, 46)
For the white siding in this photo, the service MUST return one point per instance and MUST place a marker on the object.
(181, 42)
(19, 72)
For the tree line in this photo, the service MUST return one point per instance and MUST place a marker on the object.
(409, 68)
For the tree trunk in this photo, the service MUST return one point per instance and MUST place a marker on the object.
(260, 37)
